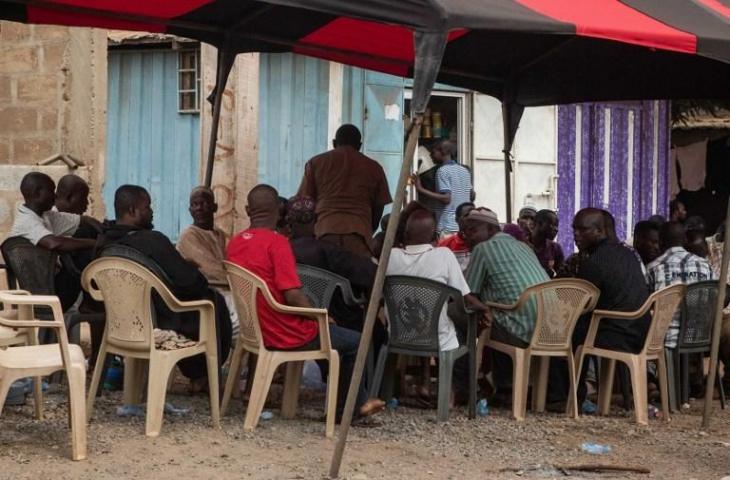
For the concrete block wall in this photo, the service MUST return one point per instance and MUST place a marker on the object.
(52, 100)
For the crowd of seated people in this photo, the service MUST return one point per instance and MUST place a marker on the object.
(330, 225)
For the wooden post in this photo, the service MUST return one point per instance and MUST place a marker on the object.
(225, 62)
(376, 295)
(722, 287)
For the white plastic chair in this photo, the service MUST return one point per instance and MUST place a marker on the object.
(22, 361)
(661, 305)
(126, 288)
(245, 287)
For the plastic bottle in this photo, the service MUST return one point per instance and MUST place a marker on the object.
(482, 408)
(595, 448)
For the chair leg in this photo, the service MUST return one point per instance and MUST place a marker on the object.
(672, 380)
(160, 368)
(95, 381)
(624, 383)
(539, 392)
(292, 379)
(234, 374)
(663, 385)
(76, 390)
(520, 379)
(721, 389)
(446, 367)
(261, 382)
(472, 410)
(38, 397)
(5, 382)
(379, 371)
(214, 373)
(637, 372)
(605, 385)
(132, 386)
(333, 377)
(572, 407)
(684, 370)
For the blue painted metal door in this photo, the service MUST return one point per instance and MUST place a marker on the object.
(374, 102)
(148, 142)
(293, 99)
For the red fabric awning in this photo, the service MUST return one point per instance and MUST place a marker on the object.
(533, 51)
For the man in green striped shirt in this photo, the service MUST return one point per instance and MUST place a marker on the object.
(500, 269)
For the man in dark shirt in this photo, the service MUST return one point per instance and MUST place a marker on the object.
(646, 241)
(548, 251)
(133, 228)
(309, 250)
(613, 269)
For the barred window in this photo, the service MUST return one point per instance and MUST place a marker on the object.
(188, 81)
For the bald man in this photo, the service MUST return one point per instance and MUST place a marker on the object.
(421, 258)
(201, 242)
(268, 254)
(612, 268)
(72, 195)
(675, 266)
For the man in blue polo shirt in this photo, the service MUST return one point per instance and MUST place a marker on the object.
(453, 187)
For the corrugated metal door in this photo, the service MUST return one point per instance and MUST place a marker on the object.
(148, 142)
(374, 103)
(292, 119)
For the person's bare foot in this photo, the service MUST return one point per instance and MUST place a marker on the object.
(371, 407)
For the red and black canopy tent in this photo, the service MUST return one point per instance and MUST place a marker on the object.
(524, 52)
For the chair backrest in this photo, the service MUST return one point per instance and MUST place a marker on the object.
(131, 253)
(559, 305)
(414, 307)
(126, 289)
(697, 315)
(662, 304)
(244, 288)
(32, 267)
(319, 285)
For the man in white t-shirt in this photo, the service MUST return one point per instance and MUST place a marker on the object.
(46, 228)
(420, 258)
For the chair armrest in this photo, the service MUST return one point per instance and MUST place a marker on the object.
(502, 306)
(599, 315)
(23, 299)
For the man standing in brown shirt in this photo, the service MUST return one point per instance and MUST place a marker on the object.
(350, 191)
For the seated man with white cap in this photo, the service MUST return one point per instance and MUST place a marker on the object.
(500, 269)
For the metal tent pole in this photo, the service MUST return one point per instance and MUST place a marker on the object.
(722, 287)
(429, 48)
(507, 161)
(225, 62)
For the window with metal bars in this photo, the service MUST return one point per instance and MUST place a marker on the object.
(188, 81)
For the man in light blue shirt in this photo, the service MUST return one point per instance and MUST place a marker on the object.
(453, 187)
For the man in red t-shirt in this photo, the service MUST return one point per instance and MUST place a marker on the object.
(456, 242)
(268, 254)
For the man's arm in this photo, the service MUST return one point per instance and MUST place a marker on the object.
(66, 244)
(377, 215)
(296, 298)
(92, 222)
(444, 198)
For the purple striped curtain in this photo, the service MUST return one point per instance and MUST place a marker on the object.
(612, 156)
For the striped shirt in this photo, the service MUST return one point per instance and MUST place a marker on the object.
(454, 179)
(499, 270)
(677, 266)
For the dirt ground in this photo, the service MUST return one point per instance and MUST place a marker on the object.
(409, 444)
